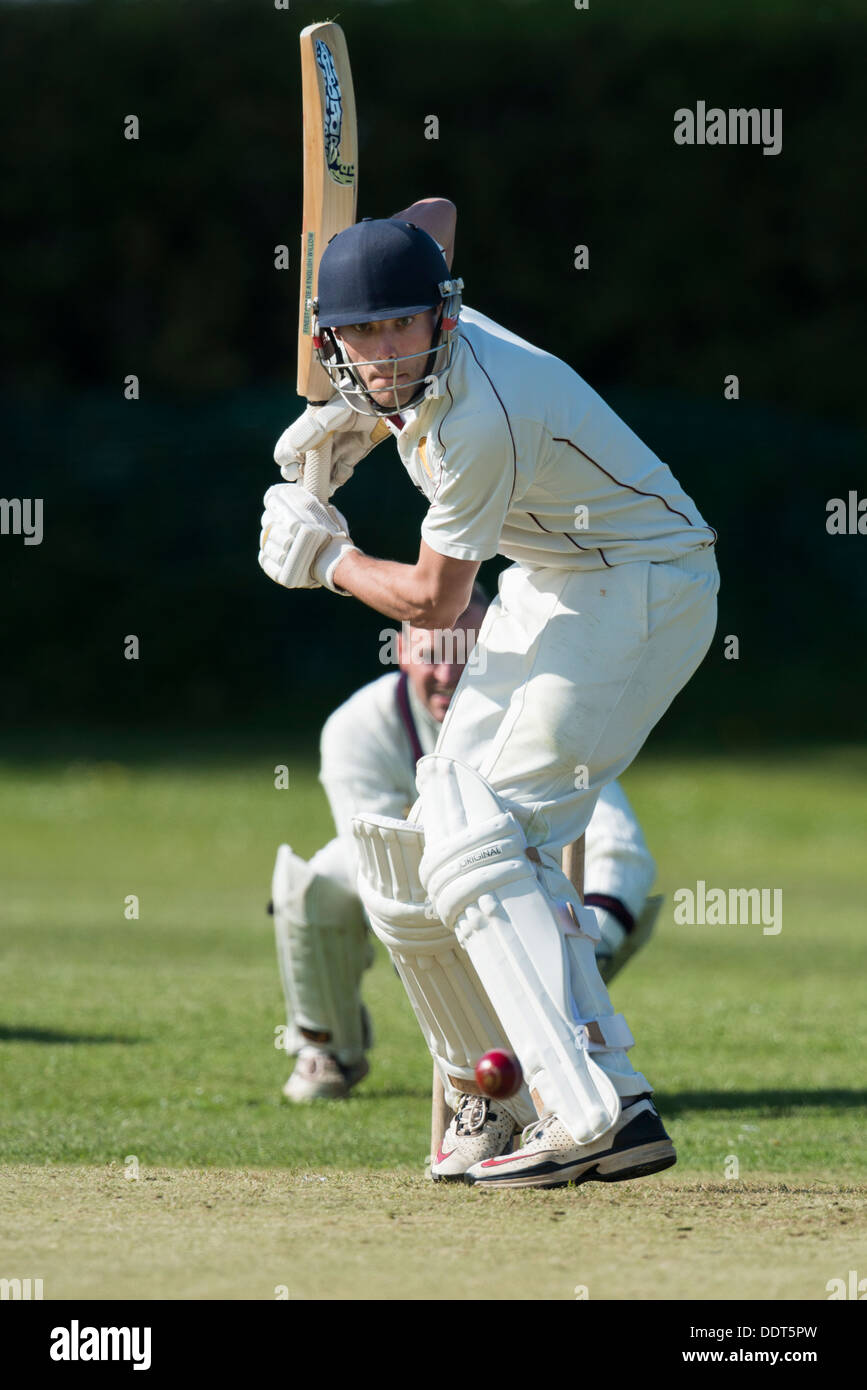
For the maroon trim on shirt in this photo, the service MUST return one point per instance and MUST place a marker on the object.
(397, 421)
(440, 440)
(577, 545)
(636, 490)
(505, 412)
(406, 716)
(445, 417)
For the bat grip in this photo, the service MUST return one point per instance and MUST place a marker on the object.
(317, 471)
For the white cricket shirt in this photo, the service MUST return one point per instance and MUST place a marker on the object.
(520, 457)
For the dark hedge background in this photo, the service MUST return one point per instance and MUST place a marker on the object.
(156, 258)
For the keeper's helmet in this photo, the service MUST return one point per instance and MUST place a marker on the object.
(384, 269)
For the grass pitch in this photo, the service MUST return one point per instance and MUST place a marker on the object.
(349, 1234)
(147, 1151)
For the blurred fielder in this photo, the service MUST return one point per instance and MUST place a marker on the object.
(607, 610)
(370, 747)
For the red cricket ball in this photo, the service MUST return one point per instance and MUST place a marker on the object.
(499, 1073)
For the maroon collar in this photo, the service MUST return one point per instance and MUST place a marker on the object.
(406, 716)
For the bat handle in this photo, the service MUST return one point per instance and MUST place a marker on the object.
(317, 471)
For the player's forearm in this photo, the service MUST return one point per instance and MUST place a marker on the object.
(398, 591)
(438, 217)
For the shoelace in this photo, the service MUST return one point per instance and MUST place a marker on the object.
(535, 1129)
(472, 1114)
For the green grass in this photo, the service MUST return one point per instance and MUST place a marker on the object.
(154, 1038)
(218, 1233)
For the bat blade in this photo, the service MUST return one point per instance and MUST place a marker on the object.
(330, 175)
(330, 197)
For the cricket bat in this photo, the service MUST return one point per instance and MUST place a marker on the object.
(330, 197)
(573, 865)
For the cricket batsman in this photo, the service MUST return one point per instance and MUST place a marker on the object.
(369, 750)
(607, 610)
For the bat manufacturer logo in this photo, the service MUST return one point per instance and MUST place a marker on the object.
(308, 252)
(339, 171)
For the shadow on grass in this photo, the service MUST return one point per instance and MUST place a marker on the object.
(671, 1104)
(779, 1102)
(675, 1103)
(49, 1035)
(364, 1095)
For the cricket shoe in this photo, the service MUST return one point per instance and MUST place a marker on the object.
(480, 1130)
(319, 1076)
(634, 1146)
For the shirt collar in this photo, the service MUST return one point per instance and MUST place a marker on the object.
(427, 727)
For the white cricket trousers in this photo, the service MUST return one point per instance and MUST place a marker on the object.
(572, 671)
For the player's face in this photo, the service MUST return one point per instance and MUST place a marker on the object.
(434, 660)
(379, 343)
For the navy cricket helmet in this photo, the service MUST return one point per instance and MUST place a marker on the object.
(380, 268)
(384, 268)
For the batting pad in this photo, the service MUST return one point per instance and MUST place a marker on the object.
(323, 950)
(533, 953)
(454, 1013)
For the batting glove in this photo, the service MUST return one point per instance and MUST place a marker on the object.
(352, 438)
(303, 540)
